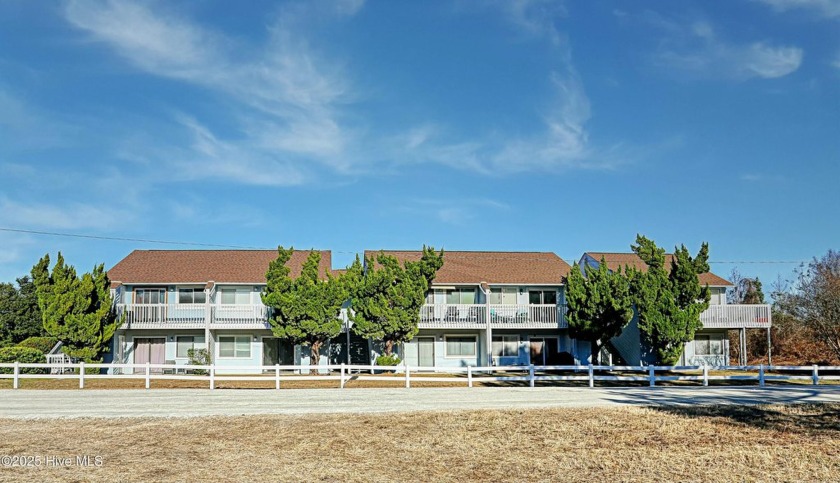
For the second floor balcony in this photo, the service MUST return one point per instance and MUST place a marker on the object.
(193, 316)
(732, 316)
(475, 316)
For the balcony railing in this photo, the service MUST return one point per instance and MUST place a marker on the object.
(468, 316)
(736, 317)
(192, 316)
(454, 316)
(531, 316)
(142, 316)
(238, 315)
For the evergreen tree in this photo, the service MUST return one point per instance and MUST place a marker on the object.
(598, 305)
(669, 300)
(307, 308)
(20, 317)
(746, 290)
(76, 310)
(388, 300)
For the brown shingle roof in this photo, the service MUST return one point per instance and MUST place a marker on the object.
(537, 268)
(616, 260)
(202, 266)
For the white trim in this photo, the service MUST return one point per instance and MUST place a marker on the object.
(446, 352)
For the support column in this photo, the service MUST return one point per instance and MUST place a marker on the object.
(208, 320)
(744, 346)
(489, 343)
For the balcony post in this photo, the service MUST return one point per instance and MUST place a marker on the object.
(489, 343)
(208, 319)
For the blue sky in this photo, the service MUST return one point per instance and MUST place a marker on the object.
(352, 125)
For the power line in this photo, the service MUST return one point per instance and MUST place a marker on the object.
(244, 247)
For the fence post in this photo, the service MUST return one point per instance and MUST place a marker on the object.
(16, 381)
(469, 376)
(342, 375)
(651, 375)
(82, 375)
(591, 376)
(212, 376)
(148, 374)
(407, 377)
(761, 375)
(816, 375)
(277, 376)
(705, 375)
(531, 375)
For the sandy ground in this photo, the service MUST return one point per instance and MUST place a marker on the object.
(133, 403)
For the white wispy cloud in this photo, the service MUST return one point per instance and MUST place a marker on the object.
(73, 215)
(285, 97)
(825, 8)
(451, 211)
(561, 145)
(695, 47)
(290, 104)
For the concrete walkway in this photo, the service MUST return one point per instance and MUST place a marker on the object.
(231, 402)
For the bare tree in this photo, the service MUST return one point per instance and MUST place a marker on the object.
(816, 299)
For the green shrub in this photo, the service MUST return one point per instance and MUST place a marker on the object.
(22, 355)
(385, 360)
(199, 357)
(43, 344)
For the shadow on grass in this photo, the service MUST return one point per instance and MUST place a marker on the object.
(807, 419)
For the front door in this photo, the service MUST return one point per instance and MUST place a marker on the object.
(277, 351)
(149, 349)
(544, 351)
(426, 351)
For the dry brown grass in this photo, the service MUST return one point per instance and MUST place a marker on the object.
(622, 444)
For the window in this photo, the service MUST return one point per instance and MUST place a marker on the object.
(150, 296)
(235, 346)
(542, 297)
(705, 345)
(505, 295)
(191, 296)
(506, 345)
(460, 296)
(184, 344)
(238, 295)
(460, 346)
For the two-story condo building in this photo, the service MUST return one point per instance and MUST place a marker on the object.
(711, 344)
(176, 300)
(486, 308)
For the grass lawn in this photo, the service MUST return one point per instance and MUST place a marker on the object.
(799, 442)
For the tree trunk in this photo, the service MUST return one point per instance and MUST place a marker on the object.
(315, 355)
(595, 347)
(389, 347)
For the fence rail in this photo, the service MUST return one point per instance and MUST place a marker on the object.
(405, 374)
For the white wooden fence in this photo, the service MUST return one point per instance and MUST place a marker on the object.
(344, 373)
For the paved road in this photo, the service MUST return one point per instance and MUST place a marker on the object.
(231, 402)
